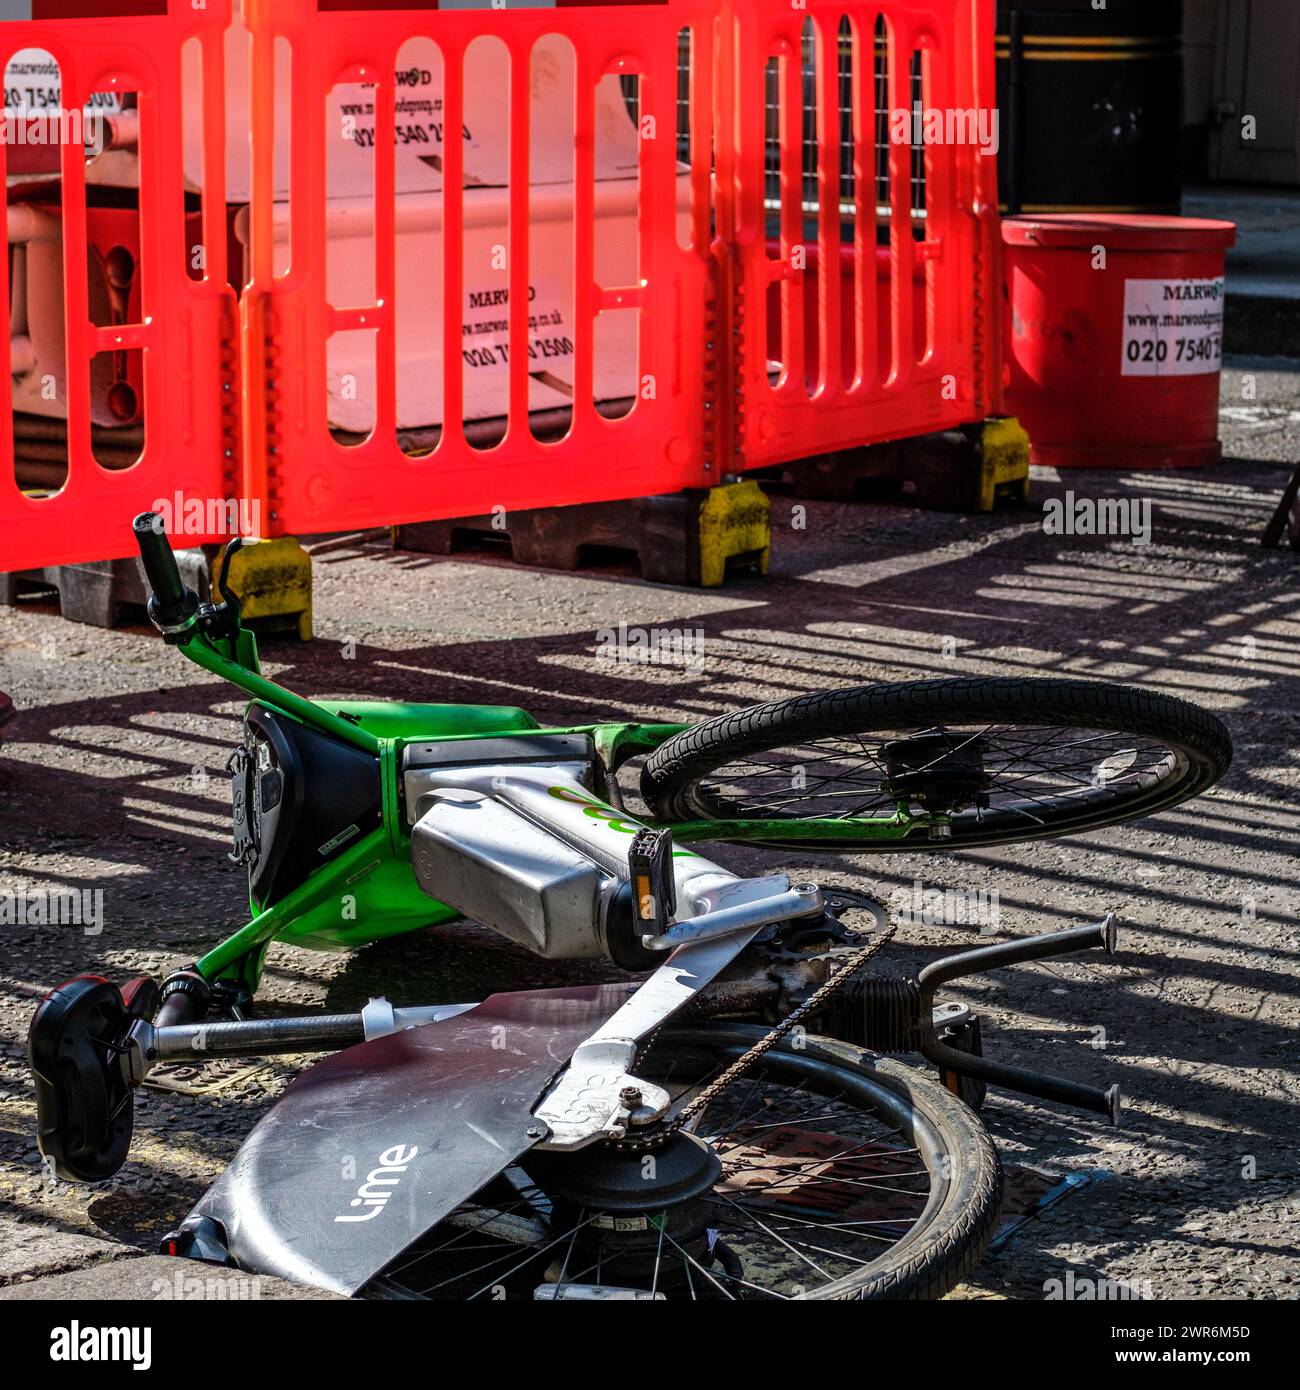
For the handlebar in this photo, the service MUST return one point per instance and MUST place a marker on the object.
(159, 562)
(172, 607)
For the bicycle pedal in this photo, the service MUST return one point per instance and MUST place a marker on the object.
(654, 891)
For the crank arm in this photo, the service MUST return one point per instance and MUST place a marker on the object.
(802, 900)
(1034, 1083)
(596, 1096)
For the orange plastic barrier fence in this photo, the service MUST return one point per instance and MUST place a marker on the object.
(525, 258)
(860, 197)
(495, 258)
(121, 329)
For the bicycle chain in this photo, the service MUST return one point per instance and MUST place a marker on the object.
(653, 1136)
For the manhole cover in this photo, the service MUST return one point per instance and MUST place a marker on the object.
(204, 1078)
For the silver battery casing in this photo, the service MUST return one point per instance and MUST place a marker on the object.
(493, 864)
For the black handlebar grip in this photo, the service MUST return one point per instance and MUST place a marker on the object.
(173, 608)
(159, 562)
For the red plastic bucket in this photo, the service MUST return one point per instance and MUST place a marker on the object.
(1114, 337)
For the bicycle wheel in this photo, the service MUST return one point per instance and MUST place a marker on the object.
(997, 761)
(823, 1172)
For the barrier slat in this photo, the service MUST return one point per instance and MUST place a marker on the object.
(974, 52)
(830, 378)
(902, 289)
(10, 498)
(520, 190)
(584, 246)
(941, 322)
(453, 262)
(385, 252)
(790, 77)
(700, 120)
(77, 327)
(862, 89)
(215, 250)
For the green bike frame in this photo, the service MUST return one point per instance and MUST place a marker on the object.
(369, 891)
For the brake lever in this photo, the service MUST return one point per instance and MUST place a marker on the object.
(228, 596)
(222, 619)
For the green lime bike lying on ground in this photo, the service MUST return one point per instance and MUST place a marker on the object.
(730, 1127)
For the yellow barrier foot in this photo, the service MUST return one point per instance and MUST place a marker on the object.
(273, 581)
(684, 538)
(1002, 452)
(735, 528)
